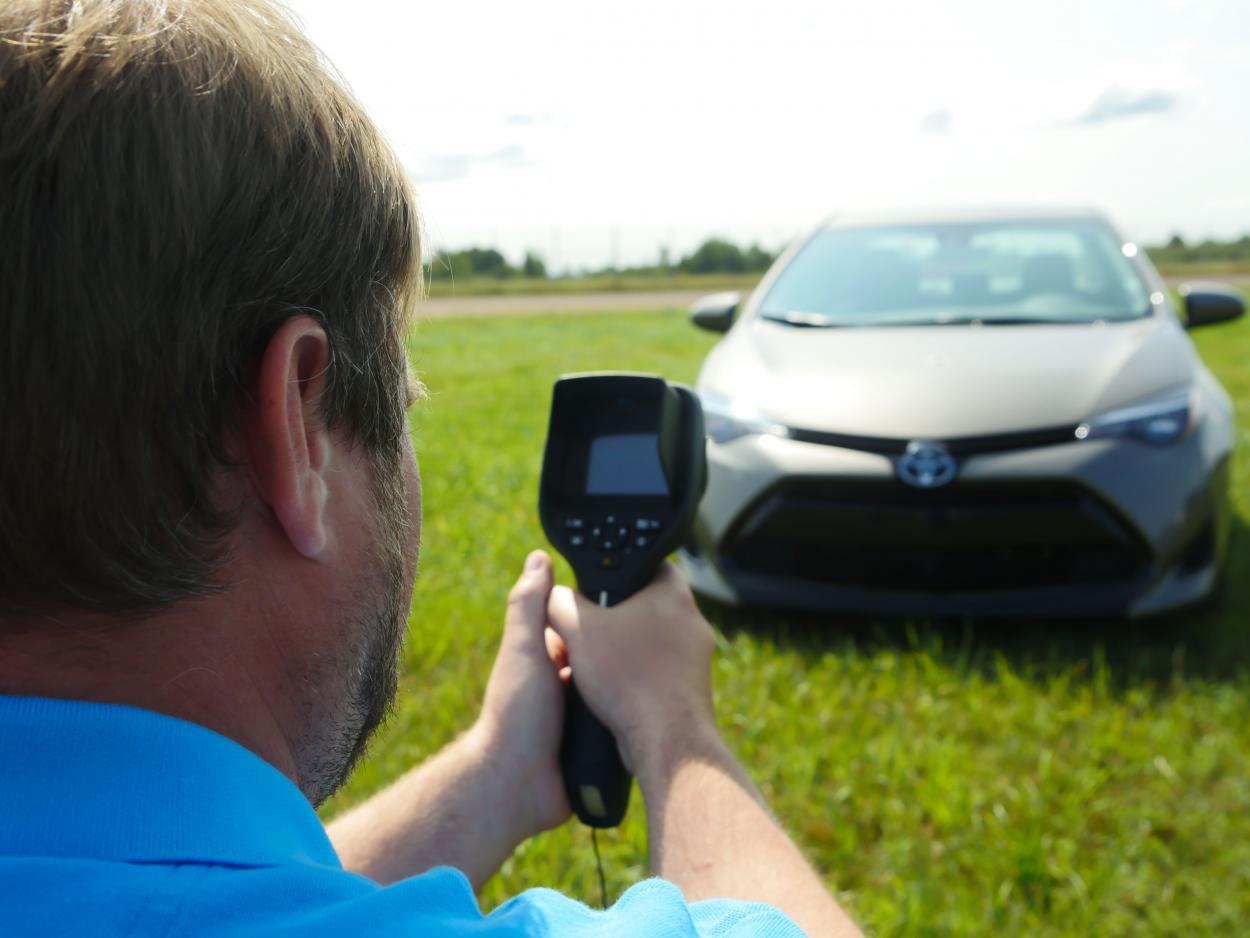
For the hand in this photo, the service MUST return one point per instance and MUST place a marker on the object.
(523, 714)
(644, 668)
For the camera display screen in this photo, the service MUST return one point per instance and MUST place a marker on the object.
(625, 464)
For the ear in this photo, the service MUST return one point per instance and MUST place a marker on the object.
(288, 446)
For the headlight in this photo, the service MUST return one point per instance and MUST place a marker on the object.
(727, 420)
(1160, 420)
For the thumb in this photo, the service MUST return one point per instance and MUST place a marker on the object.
(527, 602)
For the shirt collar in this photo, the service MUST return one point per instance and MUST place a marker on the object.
(107, 782)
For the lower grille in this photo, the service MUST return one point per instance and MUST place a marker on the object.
(968, 537)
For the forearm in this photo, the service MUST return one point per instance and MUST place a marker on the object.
(712, 835)
(445, 812)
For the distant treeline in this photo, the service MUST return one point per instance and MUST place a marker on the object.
(720, 256)
(713, 256)
(1176, 251)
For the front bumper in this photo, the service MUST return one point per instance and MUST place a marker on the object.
(1080, 529)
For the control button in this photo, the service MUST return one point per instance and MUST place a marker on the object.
(647, 524)
(574, 524)
(622, 533)
(608, 545)
(609, 561)
(610, 520)
(576, 540)
(596, 532)
(592, 798)
(642, 541)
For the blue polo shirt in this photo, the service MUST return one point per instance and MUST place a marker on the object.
(119, 821)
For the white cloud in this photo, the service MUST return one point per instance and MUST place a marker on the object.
(442, 167)
(937, 123)
(1118, 103)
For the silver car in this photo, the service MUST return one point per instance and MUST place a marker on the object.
(993, 414)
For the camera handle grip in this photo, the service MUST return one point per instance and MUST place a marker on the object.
(595, 779)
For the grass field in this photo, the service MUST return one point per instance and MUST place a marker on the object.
(947, 778)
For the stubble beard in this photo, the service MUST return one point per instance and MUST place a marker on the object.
(365, 671)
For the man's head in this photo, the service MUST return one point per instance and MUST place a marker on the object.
(207, 259)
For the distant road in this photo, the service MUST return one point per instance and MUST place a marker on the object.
(556, 303)
(1236, 280)
(571, 303)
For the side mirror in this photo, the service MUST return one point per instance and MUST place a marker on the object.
(716, 313)
(1207, 303)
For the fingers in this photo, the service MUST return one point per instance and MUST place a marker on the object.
(527, 602)
(558, 653)
(563, 615)
(556, 649)
(670, 579)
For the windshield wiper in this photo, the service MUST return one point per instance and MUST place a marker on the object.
(1018, 321)
(820, 321)
(983, 321)
(802, 320)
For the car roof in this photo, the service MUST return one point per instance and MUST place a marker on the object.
(957, 216)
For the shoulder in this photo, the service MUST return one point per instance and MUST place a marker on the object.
(311, 901)
(91, 898)
(103, 899)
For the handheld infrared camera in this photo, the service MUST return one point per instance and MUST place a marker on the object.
(623, 472)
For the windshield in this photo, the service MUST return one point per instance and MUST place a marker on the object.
(1012, 272)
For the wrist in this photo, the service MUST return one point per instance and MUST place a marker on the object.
(659, 750)
(524, 786)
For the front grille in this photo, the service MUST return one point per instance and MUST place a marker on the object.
(957, 446)
(967, 537)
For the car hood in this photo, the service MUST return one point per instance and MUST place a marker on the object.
(946, 381)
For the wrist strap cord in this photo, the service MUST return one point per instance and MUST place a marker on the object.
(603, 885)
(594, 832)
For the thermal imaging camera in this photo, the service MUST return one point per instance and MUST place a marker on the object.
(623, 472)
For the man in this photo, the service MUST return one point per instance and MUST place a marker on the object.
(209, 522)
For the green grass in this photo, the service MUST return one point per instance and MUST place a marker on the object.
(948, 778)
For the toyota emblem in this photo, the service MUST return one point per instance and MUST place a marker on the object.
(926, 465)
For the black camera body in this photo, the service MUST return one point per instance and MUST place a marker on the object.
(623, 472)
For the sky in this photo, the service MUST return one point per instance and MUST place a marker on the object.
(599, 133)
